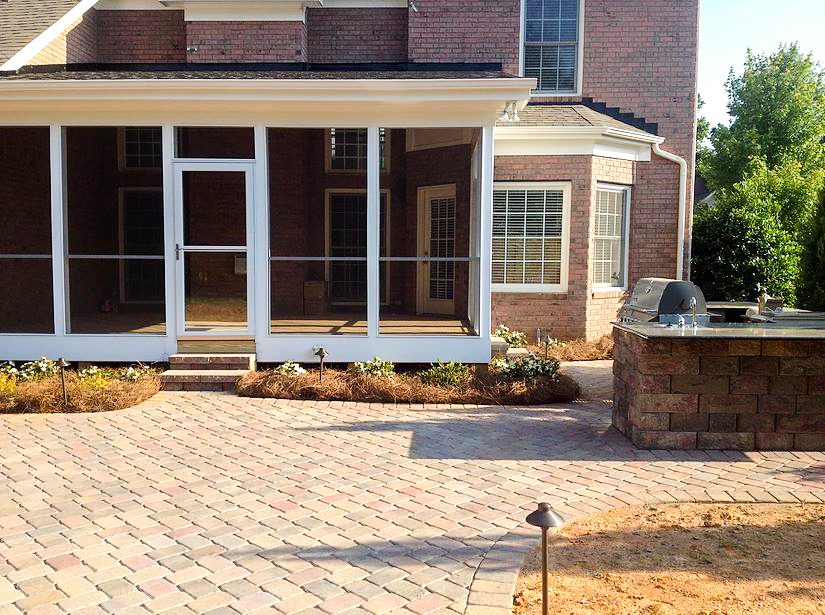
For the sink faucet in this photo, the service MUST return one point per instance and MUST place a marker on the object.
(693, 310)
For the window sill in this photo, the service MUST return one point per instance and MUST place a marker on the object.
(609, 291)
(536, 289)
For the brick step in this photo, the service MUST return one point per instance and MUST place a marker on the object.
(201, 379)
(212, 361)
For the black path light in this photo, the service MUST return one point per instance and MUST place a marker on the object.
(63, 364)
(545, 518)
(322, 354)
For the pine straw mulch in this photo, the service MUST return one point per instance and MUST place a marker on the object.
(337, 385)
(579, 350)
(46, 396)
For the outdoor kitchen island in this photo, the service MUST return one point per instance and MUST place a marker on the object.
(727, 386)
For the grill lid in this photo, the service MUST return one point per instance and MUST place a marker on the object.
(653, 298)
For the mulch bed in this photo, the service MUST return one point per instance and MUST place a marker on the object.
(46, 395)
(484, 388)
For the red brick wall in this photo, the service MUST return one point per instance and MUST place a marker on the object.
(640, 55)
(565, 314)
(77, 44)
(141, 36)
(246, 41)
(357, 35)
(456, 31)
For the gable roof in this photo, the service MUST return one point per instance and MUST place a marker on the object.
(24, 23)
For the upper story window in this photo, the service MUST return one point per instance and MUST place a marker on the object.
(347, 149)
(551, 44)
(530, 237)
(142, 148)
(610, 237)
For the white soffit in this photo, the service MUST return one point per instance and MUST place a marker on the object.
(602, 141)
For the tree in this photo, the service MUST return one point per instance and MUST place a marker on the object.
(778, 110)
(812, 291)
(702, 130)
(753, 236)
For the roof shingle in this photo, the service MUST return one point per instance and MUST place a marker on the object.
(22, 21)
(565, 115)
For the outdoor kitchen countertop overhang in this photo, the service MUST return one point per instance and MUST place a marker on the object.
(799, 329)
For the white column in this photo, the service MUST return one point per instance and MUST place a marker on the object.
(60, 264)
(170, 269)
(486, 231)
(373, 230)
(260, 240)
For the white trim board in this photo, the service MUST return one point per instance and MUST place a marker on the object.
(574, 141)
(25, 55)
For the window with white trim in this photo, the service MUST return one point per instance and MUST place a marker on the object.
(530, 237)
(142, 147)
(551, 44)
(347, 149)
(610, 237)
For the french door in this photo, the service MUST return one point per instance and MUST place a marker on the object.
(214, 249)
(436, 250)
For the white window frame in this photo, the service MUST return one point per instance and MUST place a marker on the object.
(626, 191)
(566, 189)
(121, 152)
(579, 55)
(385, 151)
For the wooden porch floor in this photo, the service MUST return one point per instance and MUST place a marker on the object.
(336, 324)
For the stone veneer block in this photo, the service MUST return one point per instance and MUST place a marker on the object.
(666, 440)
(777, 404)
(700, 384)
(726, 441)
(689, 422)
(759, 366)
(721, 423)
(810, 404)
(759, 423)
(749, 385)
(774, 441)
(788, 385)
(728, 404)
(719, 366)
(672, 403)
(809, 441)
(802, 366)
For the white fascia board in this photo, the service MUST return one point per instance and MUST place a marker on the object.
(25, 55)
(574, 141)
(158, 5)
(199, 90)
(247, 10)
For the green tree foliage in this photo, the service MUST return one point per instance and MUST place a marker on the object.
(778, 110)
(702, 130)
(812, 284)
(753, 236)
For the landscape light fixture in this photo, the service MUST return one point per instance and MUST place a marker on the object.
(545, 518)
(63, 364)
(322, 354)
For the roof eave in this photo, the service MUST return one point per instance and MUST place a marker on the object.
(495, 89)
(567, 132)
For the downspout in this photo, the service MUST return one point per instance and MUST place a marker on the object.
(680, 232)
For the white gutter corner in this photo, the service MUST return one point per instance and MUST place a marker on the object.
(680, 233)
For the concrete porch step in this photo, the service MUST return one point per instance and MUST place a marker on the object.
(201, 379)
(212, 361)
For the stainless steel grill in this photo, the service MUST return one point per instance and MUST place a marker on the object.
(670, 302)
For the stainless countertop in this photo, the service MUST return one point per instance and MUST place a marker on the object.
(797, 329)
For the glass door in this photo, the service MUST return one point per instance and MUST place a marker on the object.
(213, 248)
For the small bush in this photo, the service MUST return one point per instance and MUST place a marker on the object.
(95, 377)
(8, 384)
(9, 369)
(449, 374)
(528, 367)
(36, 370)
(377, 367)
(514, 339)
(290, 368)
(134, 374)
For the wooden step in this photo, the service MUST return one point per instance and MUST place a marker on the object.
(212, 361)
(201, 379)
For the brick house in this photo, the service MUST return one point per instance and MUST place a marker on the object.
(378, 177)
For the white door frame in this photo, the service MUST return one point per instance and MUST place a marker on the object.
(248, 168)
(424, 304)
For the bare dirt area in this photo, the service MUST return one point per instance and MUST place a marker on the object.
(688, 559)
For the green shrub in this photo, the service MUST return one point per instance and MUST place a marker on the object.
(528, 367)
(135, 373)
(290, 368)
(376, 367)
(9, 370)
(96, 377)
(514, 339)
(35, 370)
(449, 374)
(8, 384)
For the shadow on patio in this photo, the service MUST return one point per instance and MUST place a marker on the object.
(575, 432)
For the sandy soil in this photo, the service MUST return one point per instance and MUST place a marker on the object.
(688, 559)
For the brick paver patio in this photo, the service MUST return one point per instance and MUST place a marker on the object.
(209, 503)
